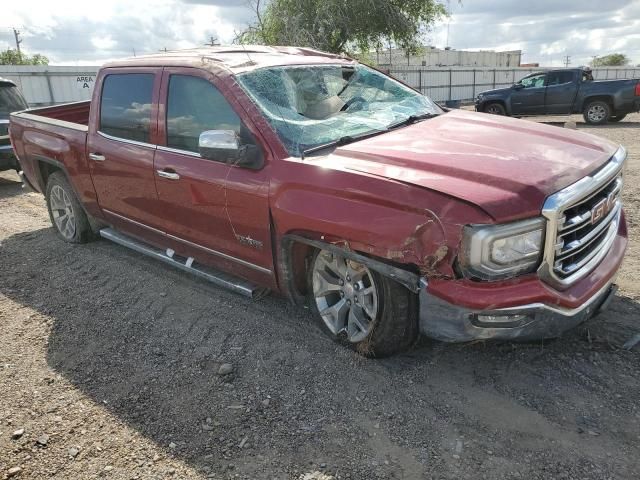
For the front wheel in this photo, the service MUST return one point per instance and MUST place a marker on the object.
(66, 214)
(359, 307)
(596, 113)
(495, 109)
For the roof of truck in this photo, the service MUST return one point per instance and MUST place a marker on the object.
(233, 58)
(6, 81)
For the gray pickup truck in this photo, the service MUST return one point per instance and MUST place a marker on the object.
(563, 92)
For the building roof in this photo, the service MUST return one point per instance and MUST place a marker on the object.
(234, 58)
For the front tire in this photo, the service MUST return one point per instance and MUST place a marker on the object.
(67, 215)
(597, 113)
(360, 308)
(495, 109)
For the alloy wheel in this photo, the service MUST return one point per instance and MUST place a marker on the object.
(345, 294)
(596, 113)
(62, 212)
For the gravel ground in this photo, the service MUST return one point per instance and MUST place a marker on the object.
(110, 368)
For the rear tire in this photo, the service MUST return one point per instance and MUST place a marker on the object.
(617, 118)
(67, 215)
(360, 308)
(495, 109)
(597, 113)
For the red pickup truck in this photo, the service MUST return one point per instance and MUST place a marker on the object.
(317, 177)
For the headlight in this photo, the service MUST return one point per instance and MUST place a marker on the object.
(492, 252)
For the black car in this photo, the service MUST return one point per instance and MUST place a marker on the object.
(563, 92)
(11, 100)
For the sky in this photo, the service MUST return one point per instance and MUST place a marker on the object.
(72, 32)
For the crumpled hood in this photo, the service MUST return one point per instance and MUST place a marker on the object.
(505, 166)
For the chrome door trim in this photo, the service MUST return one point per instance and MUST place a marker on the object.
(126, 140)
(195, 245)
(177, 150)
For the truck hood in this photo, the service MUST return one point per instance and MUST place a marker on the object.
(505, 166)
(496, 91)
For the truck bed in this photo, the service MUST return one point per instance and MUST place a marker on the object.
(77, 112)
(54, 137)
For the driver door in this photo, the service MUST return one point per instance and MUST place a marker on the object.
(212, 209)
(529, 99)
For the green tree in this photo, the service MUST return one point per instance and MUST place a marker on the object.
(613, 60)
(338, 26)
(13, 57)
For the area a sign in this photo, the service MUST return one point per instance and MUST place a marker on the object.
(83, 82)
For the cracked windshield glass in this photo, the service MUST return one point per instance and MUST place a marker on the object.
(312, 106)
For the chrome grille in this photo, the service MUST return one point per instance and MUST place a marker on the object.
(582, 223)
(583, 228)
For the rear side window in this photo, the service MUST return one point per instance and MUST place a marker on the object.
(10, 99)
(558, 78)
(193, 106)
(125, 108)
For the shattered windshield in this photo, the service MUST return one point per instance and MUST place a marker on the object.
(315, 105)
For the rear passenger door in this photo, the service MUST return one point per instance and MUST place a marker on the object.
(561, 92)
(121, 147)
(215, 210)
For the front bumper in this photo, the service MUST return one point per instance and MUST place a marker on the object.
(444, 321)
(521, 309)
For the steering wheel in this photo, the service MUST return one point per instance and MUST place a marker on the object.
(351, 102)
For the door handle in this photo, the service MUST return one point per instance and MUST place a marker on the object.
(96, 157)
(168, 175)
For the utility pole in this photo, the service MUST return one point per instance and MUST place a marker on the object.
(213, 41)
(567, 61)
(16, 34)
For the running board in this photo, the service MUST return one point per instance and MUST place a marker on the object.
(167, 256)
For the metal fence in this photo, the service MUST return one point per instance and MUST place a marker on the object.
(46, 85)
(464, 83)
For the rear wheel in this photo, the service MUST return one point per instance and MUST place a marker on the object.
(66, 214)
(495, 109)
(360, 308)
(617, 118)
(597, 112)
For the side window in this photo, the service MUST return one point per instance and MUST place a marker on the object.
(559, 78)
(193, 106)
(535, 81)
(125, 107)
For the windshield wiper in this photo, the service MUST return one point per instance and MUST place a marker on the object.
(411, 119)
(342, 141)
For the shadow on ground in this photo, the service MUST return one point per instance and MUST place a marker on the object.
(581, 125)
(146, 342)
(9, 186)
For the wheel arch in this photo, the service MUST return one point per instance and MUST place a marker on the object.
(500, 101)
(297, 248)
(608, 99)
(45, 167)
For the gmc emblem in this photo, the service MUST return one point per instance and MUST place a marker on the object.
(603, 207)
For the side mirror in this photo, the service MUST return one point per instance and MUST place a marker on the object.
(517, 86)
(224, 146)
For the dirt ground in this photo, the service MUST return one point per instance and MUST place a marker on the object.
(109, 364)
